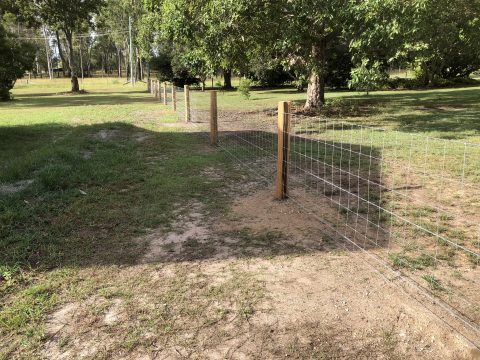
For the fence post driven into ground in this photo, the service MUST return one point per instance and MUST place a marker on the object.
(157, 89)
(187, 103)
(213, 118)
(174, 98)
(283, 150)
(164, 93)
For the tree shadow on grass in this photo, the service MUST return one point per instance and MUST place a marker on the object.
(94, 98)
(97, 192)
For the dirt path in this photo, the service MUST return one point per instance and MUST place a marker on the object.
(253, 284)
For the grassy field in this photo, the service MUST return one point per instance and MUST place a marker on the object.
(119, 236)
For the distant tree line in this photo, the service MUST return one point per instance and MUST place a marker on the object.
(313, 44)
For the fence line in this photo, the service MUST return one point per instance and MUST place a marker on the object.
(409, 202)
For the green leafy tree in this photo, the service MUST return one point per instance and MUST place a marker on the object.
(16, 57)
(368, 77)
(67, 16)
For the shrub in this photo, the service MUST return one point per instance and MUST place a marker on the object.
(301, 82)
(244, 88)
(367, 78)
(16, 57)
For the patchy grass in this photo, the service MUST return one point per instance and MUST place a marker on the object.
(100, 174)
(415, 263)
(433, 283)
(90, 175)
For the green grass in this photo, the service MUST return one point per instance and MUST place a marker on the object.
(442, 113)
(103, 168)
(95, 172)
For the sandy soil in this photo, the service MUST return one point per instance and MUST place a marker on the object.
(300, 295)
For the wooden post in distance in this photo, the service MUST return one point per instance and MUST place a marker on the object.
(213, 119)
(187, 103)
(174, 98)
(283, 150)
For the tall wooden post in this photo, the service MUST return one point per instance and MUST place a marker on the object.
(149, 85)
(213, 118)
(187, 103)
(283, 151)
(164, 93)
(157, 89)
(174, 98)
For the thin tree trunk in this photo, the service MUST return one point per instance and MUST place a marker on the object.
(119, 59)
(60, 52)
(47, 52)
(316, 83)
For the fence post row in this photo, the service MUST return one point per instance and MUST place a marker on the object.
(283, 150)
(213, 118)
(174, 98)
(187, 103)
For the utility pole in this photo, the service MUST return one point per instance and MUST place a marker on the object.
(132, 78)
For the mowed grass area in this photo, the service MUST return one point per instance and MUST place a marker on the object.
(86, 179)
(82, 177)
(444, 113)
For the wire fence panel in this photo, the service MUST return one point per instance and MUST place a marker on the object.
(409, 199)
(180, 103)
(409, 202)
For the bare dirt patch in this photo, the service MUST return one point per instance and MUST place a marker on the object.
(106, 134)
(260, 282)
(15, 187)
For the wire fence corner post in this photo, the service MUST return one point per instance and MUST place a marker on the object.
(213, 118)
(174, 98)
(283, 149)
(187, 103)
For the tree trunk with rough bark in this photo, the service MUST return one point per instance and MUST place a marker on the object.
(227, 77)
(316, 82)
(71, 60)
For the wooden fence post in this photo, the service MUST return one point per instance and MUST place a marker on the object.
(157, 89)
(164, 93)
(213, 118)
(187, 103)
(283, 151)
(174, 98)
(149, 86)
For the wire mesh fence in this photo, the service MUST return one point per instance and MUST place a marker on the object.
(409, 201)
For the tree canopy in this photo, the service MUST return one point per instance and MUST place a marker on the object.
(314, 43)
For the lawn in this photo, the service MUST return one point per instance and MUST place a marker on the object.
(123, 234)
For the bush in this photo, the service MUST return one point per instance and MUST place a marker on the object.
(244, 88)
(367, 78)
(16, 57)
(301, 82)
(271, 76)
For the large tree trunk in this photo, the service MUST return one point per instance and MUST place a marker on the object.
(316, 83)
(71, 60)
(227, 77)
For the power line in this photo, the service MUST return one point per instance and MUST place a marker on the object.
(80, 36)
